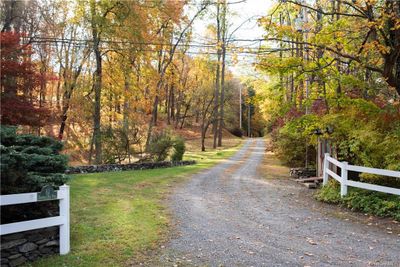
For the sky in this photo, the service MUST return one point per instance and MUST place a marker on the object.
(248, 11)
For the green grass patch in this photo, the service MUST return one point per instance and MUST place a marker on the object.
(117, 217)
(376, 203)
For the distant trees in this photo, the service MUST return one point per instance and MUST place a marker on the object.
(103, 76)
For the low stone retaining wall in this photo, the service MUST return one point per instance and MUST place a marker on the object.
(19, 248)
(125, 167)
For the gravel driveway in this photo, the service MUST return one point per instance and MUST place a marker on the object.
(228, 216)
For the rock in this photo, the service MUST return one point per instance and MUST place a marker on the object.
(40, 242)
(12, 237)
(33, 255)
(3, 260)
(18, 261)
(45, 250)
(13, 243)
(50, 233)
(28, 247)
(5, 254)
(310, 185)
(130, 166)
(12, 257)
(35, 237)
(13, 250)
(52, 243)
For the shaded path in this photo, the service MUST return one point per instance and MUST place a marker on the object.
(226, 216)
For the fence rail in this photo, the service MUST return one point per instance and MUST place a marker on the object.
(345, 182)
(62, 220)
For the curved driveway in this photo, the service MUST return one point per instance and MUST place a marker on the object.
(228, 216)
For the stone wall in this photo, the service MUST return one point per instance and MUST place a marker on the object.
(19, 248)
(125, 167)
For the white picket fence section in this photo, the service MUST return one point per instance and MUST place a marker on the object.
(62, 220)
(343, 179)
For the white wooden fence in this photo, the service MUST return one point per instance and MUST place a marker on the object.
(345, 182)
(62, 220)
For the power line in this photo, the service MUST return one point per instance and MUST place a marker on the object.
(158, 46)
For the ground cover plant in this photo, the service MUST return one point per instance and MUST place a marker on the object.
(371, 202)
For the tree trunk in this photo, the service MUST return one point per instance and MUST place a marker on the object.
(97, 107)
(185, 113)
(203, 147)
(217, 82)
(125, 113)
(178, 108)
(223, 33)
(204, 127)
(168, 105)
(222, 100)
(64, 115)
(172, 103)
(153, 121)
(97, 84)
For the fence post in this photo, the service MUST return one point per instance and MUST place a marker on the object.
(326, 166)
(343, 182)
(64, 213)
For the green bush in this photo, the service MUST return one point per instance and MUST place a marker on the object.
(330, 193)
(371, 202)
(294, 138)
(120, 143)
(366, 135)
(179, 149)
(363, 134)
(29, 162)
(159, 146)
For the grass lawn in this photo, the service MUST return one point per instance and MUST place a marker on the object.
(118, 217)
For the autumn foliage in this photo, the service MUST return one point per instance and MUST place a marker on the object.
(19, 83)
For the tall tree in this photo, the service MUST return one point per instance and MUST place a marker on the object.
(20, 81)
(216, 114)
(224, 37)
(165, 63)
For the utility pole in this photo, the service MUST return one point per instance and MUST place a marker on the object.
(248, 120)
(240, 107)
(305, 17)
(307, 57)
(301, 26)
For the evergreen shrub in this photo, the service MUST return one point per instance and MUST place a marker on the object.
(179, 149)
(160, 145)
(29, 162)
